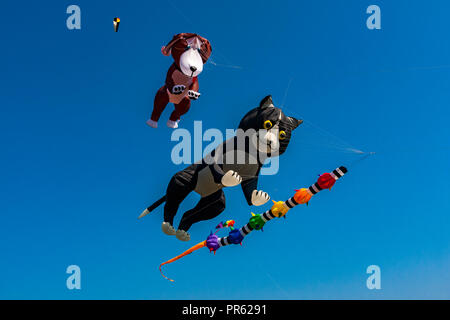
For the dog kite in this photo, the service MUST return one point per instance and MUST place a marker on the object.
(189, 52)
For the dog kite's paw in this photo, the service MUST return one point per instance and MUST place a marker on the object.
(259, 197)
(193, 95)
(168, 229)
(231, 179)
(152, 123)
(183, 235)
(172, 124)
(178, 89)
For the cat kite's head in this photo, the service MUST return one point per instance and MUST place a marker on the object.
(270, 129)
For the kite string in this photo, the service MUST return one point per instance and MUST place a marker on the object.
(338, 143)
(343, 142)
(344, 145)
(286, 92)
(210, 60)
(358, 161)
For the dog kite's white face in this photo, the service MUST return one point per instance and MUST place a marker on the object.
(191, 63)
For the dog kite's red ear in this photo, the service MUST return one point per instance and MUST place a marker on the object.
(205, 50)
(166, 50)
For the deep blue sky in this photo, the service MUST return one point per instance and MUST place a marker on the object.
(78, 163)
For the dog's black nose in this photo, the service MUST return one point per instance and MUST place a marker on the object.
(193, 69)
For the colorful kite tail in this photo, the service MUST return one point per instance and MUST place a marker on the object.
(190, 250)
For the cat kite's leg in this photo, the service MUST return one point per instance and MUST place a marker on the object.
(181, 184)
(207, 208)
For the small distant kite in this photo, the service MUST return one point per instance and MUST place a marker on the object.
(116, 22)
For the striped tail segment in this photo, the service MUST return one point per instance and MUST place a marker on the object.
(339, 172)
(280, 208)
(247, 229)
(327, 180)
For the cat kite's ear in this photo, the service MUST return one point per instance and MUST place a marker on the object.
(294, 123)
(266, 102)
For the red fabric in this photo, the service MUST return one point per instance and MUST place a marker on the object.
(160, 103)
(180, 109)
(326, 181)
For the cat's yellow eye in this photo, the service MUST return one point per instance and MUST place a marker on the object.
(267, 124)
(282, 135)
